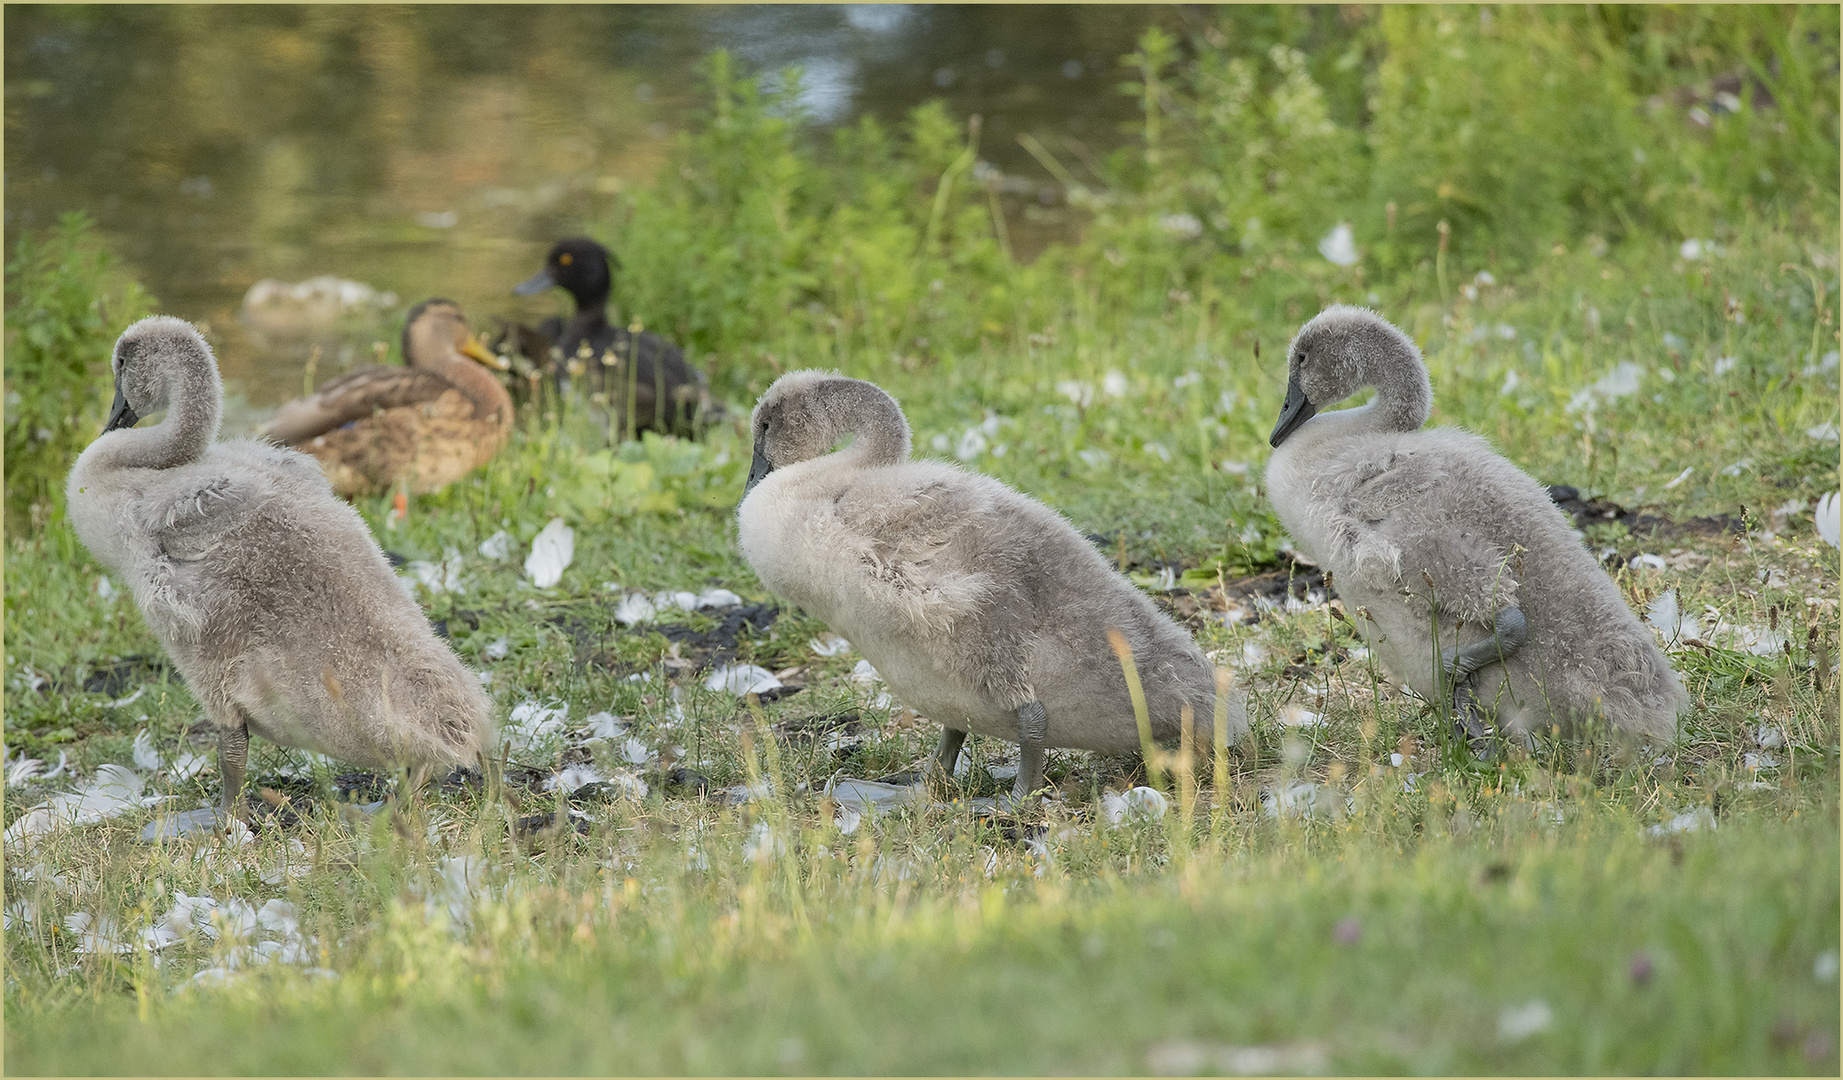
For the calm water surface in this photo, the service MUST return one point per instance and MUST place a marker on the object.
(439, 150)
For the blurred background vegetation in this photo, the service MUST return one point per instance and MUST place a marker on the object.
(923, 186)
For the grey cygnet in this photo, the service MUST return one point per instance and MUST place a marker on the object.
(1470, 584)
(982, 608)
(266, 589)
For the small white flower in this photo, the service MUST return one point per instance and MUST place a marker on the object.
(1182, 226)
(1824, 968)
(1824, 432)
(498, 648)
(1339, 246)
(106, 588)
(1519, 1022)
(1113, 384)
(1691, 249)
(1511, 382)
(971, 445)
(1080, 393)
(1620, 382)
(1725, 364)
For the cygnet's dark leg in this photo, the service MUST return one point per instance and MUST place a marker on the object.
(233, 756)
(1032, 733)
(947, 753)
(1509, 634)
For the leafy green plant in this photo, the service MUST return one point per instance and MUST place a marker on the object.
(66, 309)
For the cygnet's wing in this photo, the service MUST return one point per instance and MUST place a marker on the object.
(1409, 520)
(353, 397)
(920, 547)
(198, 516)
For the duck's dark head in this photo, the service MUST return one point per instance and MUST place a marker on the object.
(578, 266)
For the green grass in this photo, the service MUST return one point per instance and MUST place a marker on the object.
(1098, 969)
(1126, 949)
(1663, 909)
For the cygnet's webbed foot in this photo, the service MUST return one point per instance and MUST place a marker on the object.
(1510, 633)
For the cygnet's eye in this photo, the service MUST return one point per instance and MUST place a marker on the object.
(565, 259)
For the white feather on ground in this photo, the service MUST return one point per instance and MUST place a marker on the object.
(552, 549)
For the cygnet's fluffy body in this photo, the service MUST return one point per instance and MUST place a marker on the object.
(1403, 518)
(970, 599)
(266, 588)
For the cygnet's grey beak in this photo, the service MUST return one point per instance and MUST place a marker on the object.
(536, 283)
(121, 414)
(1295, 412)
(758, 469)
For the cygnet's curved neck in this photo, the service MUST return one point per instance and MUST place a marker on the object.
(195, 407)
(1404, 395)
(881, 432)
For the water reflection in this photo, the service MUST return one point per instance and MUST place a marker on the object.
(438, 150)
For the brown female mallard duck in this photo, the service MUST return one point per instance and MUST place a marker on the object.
(427, 424)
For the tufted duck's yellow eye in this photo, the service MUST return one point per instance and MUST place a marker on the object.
(565, 259)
